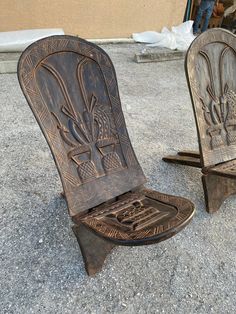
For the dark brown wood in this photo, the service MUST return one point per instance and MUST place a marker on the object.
(211, 71)
(227, 169)
(216, 190)
(94, 249)
(183, 160)
(138, 218)
(189, 153)
(71, 87)
(210, 66)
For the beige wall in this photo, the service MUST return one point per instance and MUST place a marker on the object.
(91, 18)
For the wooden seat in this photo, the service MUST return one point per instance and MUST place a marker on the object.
(140, 217)
(210, 67)
(70, 85)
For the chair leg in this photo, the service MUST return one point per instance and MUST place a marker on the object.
(216, 190)
(94, 249)
(187, 158)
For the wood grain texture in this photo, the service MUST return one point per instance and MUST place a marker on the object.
(216, 190)
(138, 218)
(71, 87)
(210, 66)
(183, 159)
(94, 249)
(211, 70)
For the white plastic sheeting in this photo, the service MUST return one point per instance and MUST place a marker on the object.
(19, 40)
(180, 37)
(230, 10)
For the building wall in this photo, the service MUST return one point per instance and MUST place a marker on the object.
(91, 18)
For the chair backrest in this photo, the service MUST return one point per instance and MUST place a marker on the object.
(71, 87)
(210, 66)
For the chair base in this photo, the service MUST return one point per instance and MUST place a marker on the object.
(216, 190)
(94, 249)
(134, 218)
(219, 182)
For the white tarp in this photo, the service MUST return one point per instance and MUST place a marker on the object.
(180, 37)
(230, 10)
(19, 40)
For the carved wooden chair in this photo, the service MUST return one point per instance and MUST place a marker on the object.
(210, 67)
(71, 87)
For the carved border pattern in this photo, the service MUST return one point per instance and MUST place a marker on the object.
(184, 213)
(29, 61)
(215, 119)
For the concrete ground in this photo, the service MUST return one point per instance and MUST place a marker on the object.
(41, 267)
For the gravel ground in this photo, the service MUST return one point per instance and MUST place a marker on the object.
(41, 267)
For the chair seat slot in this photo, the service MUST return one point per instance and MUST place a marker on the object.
(184, 158)
(226, 169)
(189, 153)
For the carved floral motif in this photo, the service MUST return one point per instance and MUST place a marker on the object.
(91, 135)
(220, 112)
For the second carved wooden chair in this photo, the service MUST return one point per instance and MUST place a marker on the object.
(71, 87)
(210, 67)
